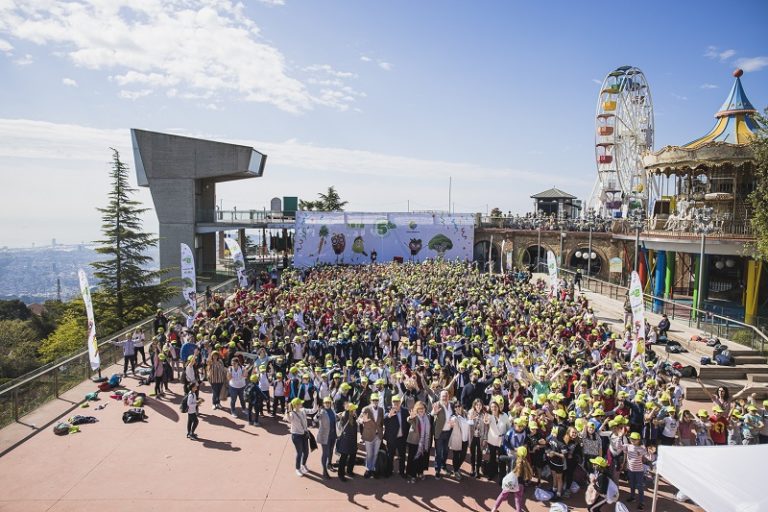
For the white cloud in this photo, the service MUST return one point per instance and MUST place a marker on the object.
(596, 81)
(26, 60)
(752, 63)
(328, 70)
(386, 66)
(134, 95)
(679, 97)
(708, 86)
(365, 58)
(273, 2)
(69, 82)
(5, 46)
(193, 46)
(714, 53)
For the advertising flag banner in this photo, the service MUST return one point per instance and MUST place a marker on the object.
(188, 278)
(552, 267)
(638, 313)
(237, 260)
(93, 347)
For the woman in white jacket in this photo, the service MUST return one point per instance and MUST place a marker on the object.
(459, 440)
(498, 424)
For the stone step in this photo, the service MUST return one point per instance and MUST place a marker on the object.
(753, 359)
(756, 378)
(744, 352)
(731, 372)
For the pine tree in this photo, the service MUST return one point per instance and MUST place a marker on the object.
(759, 196)
(330, 201)
(129, 289)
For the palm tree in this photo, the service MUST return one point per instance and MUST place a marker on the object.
(330, 201)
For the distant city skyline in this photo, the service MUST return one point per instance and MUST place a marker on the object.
(385, 102)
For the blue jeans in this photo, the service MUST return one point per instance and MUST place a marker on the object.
(636, 481)
(301, 443)
(326, 457)
(234, 393)
(441, 450)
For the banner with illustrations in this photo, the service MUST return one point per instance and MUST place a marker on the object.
(638, 313)
(188, 278)
(358, 238)
(552, 268)
(93, 346)
(237, 260)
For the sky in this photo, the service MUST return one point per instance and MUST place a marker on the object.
(386, 101)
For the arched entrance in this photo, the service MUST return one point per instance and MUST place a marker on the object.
(480, 255)
(582, 259)
(534, 254)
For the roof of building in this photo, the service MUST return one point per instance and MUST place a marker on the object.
(553, 193)
(735, 119)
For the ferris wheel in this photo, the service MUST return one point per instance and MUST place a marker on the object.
(623, 135)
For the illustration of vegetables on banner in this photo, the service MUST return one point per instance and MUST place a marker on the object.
(338, 243)
(357, 246)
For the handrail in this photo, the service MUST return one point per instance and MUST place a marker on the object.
(16, 383)
(694, 312)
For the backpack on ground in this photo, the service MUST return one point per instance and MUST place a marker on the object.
(134, 415)
(94, 395)
(706, 360)
(61, 429)
(713, 342)
(558, 507)
(104, 386)
(382, 467)
(114, 380)
(719, 349)
(722, 360)
(82, 420)
(688, 372)
(543, 494)
(612, 495)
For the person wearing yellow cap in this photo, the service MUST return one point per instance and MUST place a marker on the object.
(254, 397)
(513, 483)
(346, 445)
(599, 485)
(279, 386)
(326, 433)
(297, 420)
(498, 424)
(189, 375)
(751, 424)
(635, 454)
(372, 422)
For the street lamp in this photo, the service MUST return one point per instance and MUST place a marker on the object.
(590, 223)
(636, 219)
(702, 223)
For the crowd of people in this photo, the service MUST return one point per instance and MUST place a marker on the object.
(552, 222)
(438, 367)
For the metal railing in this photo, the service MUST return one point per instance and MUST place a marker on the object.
(711, 323)
(28, 392)
(259, 217)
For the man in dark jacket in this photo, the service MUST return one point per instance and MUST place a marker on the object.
(395, 434)
(664, 326)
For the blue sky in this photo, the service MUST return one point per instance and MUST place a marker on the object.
(384, 100)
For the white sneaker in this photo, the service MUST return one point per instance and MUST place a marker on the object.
(299, 473)
(304, 469)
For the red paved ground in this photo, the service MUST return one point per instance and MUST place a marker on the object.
(234, 467)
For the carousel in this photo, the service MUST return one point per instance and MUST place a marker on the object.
(702, 191)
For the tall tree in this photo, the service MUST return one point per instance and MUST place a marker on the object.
(759, 196)
(330, 201)
(128, 287)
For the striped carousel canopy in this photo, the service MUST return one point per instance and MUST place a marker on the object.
(735, 121)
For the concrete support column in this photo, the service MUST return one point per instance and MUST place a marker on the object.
(206, 253)
(222, 246)
(659, 279)
(669, 274)
(241, 239)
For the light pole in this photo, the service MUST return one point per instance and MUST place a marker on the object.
(590, 221)
(636, 220)
(537, 222)
(562, 239)
(702, 221)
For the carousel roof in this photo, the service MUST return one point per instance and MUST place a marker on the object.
(727, 143)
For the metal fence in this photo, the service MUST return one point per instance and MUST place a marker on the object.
(28, 392)
(708, 322)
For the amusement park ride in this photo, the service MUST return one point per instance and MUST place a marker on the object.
(623, 135)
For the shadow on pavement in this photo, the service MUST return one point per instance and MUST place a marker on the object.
(163, 409)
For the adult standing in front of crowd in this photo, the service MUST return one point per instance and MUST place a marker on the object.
(372, 422)
(326, 433)
(346, 445)
(236, 376)
(418, 442)
(442, 412)
(193, 403)
(297, 420)
(217, 376)
(395, 434)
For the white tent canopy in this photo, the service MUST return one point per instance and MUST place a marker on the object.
(718, 478)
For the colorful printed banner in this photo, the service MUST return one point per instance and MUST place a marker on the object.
(237, 260)
(638, 313)
(359, 238)
(188, 277)
(552, 267)
(93, 346)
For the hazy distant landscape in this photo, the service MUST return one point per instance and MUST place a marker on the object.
(30, 274)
